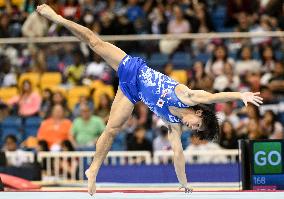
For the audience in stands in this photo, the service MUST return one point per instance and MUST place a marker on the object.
(229, 80)
(28, 102)
(46, 103)
(228, 138)
(83, 101)
(227, 113)
(87, 128)
(258, 62)
(55, 129)
(245, 62)
(196, 145)
(215, 66)
(58, 98)
(161, 142)
(271, 127)
(67, 165)
(74, 73)
(139, 142)
(103, 107)
(11, 145)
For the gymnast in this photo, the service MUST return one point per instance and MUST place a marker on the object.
(175, 103)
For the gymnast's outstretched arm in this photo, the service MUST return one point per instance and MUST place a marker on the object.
(193, 97)
(110, 53)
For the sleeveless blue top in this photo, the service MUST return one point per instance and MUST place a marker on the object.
(141, 83)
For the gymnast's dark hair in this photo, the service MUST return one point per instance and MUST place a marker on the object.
(210, 122)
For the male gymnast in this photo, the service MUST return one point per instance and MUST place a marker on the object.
(175, 103)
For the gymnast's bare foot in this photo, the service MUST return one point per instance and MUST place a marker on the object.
(91, 182)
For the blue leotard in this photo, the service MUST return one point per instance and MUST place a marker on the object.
(140, 83)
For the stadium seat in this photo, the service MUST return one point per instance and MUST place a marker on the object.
(107, 89)
(32, 77)
(51, 79)
(218, 17)
(181, 60)
(180, 76)
(203, 57)
(11, 126)
(52, 62)
(7, 93)
(158, 60)
(31, 126)
(75, 93)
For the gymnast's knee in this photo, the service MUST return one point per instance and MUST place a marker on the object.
(112, 131)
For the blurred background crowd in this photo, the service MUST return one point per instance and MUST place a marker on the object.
(58, 96)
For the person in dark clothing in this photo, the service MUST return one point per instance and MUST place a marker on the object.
(228, 138)
(139, 142)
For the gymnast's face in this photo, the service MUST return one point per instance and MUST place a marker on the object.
(193, 120)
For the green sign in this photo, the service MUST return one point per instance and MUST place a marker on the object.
(267, 157)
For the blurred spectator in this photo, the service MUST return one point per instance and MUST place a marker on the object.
(178, 24)
(46, 103)
(162, 142)
(70, 10)
(87, 128)
(35, 26)
(96, 68)
(215, 66)
(251, 113)
(158, 20)
(30, 6)
(139, 142)
(228, 114)
(228, 137)
(267, 95)
(42, 146)
(83, 101)
(28, 102)
(68, 165)
(5, 30)
(197, 145)
(74, 73)
(199, 79)
(8, 76)
(235, 7)
(254, 131)
(203, 18)
(245, 61)
(228, 80)
(10, 145)
(58, 98)
(270, 126)
(103, 107)
(276, 82)
(134, 11)
(267, 58)
(55, 129)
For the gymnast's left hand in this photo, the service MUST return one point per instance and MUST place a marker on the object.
(251, 98)
(187, 188)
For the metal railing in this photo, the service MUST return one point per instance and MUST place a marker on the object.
(143, 37)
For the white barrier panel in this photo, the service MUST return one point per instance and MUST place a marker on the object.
(69, 166)
(198, 156)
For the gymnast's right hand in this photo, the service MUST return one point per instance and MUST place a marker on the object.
(91, 182)
(47, 12)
